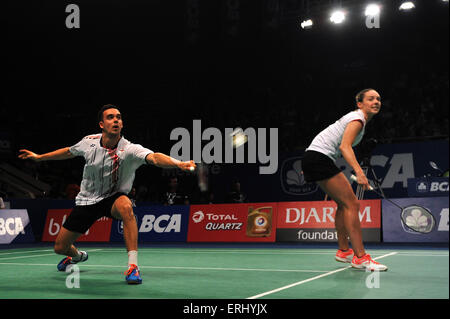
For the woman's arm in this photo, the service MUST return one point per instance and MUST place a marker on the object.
(351, 132)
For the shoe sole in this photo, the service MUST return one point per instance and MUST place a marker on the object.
(134, 282)
(74, 263)
(342, 260)
(364, 268)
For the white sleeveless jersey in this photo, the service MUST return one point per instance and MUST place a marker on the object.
(328, 141)
(107, 171)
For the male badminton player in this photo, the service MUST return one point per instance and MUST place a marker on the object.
(111, 162)
(318, 166)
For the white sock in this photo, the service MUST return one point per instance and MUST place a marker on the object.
(132, 257)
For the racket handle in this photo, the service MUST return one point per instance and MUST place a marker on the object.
(353, 178)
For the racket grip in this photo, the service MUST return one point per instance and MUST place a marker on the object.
(353, 178)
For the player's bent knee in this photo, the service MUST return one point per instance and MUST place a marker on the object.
(129, 217)
(123, 209)
(126, 212)
(352, 205)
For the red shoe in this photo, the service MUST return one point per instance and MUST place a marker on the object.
(132, 275)
(367, 263)
(344, 256)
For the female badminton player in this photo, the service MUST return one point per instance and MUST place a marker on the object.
(319, 166)
(111, 162)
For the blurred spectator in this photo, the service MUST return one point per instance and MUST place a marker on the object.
(142, 193)
(236, 195)
(2, 204)
(173, 196)
(207, 197)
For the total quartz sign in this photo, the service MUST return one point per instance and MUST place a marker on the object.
(252, 222)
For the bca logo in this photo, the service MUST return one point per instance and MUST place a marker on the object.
(164, 223)
(11, 226)
(439, 187)
(292, 178)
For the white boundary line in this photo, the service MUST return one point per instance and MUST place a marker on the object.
(30, 256)
(6, 258)
(252, 252)
(26, 251)
(181, 267)
(310, 279)
(227, 252)
(422, 255)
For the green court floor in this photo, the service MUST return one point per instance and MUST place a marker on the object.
(224, 273)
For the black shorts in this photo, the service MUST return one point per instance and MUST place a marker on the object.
(83, 217)
(317, 167)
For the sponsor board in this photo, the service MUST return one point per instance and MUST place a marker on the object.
(399, 162)
(428, 186)
(157, 223)
(99, 231)
(314, 221)
(252, 222)
(393, 164)
(395, 231)
(15, 226)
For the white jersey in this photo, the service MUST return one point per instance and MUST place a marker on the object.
(107, 171)
(328, 141)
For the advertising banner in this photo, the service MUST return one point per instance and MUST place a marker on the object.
(392, 164)
(157, 224)
(428, 186)
(37, 209)
(395, 231)
(15, 226)
(99, 231)
(252, 222)
(314, 221)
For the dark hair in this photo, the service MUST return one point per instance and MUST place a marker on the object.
(360, 96)
(103, 109)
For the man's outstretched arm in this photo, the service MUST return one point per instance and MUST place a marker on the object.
(60, 154)
(165, 161)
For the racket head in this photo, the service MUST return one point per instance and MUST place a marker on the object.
(418, 219)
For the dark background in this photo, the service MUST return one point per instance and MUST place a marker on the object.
(229, 63)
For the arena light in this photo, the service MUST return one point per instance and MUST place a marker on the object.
(372, 10)
(307, 24)
(407, 5)
(337, 17)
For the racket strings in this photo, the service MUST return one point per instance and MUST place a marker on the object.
(418, 219)
(415, 218)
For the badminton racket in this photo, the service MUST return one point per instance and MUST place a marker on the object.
(414, 217)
